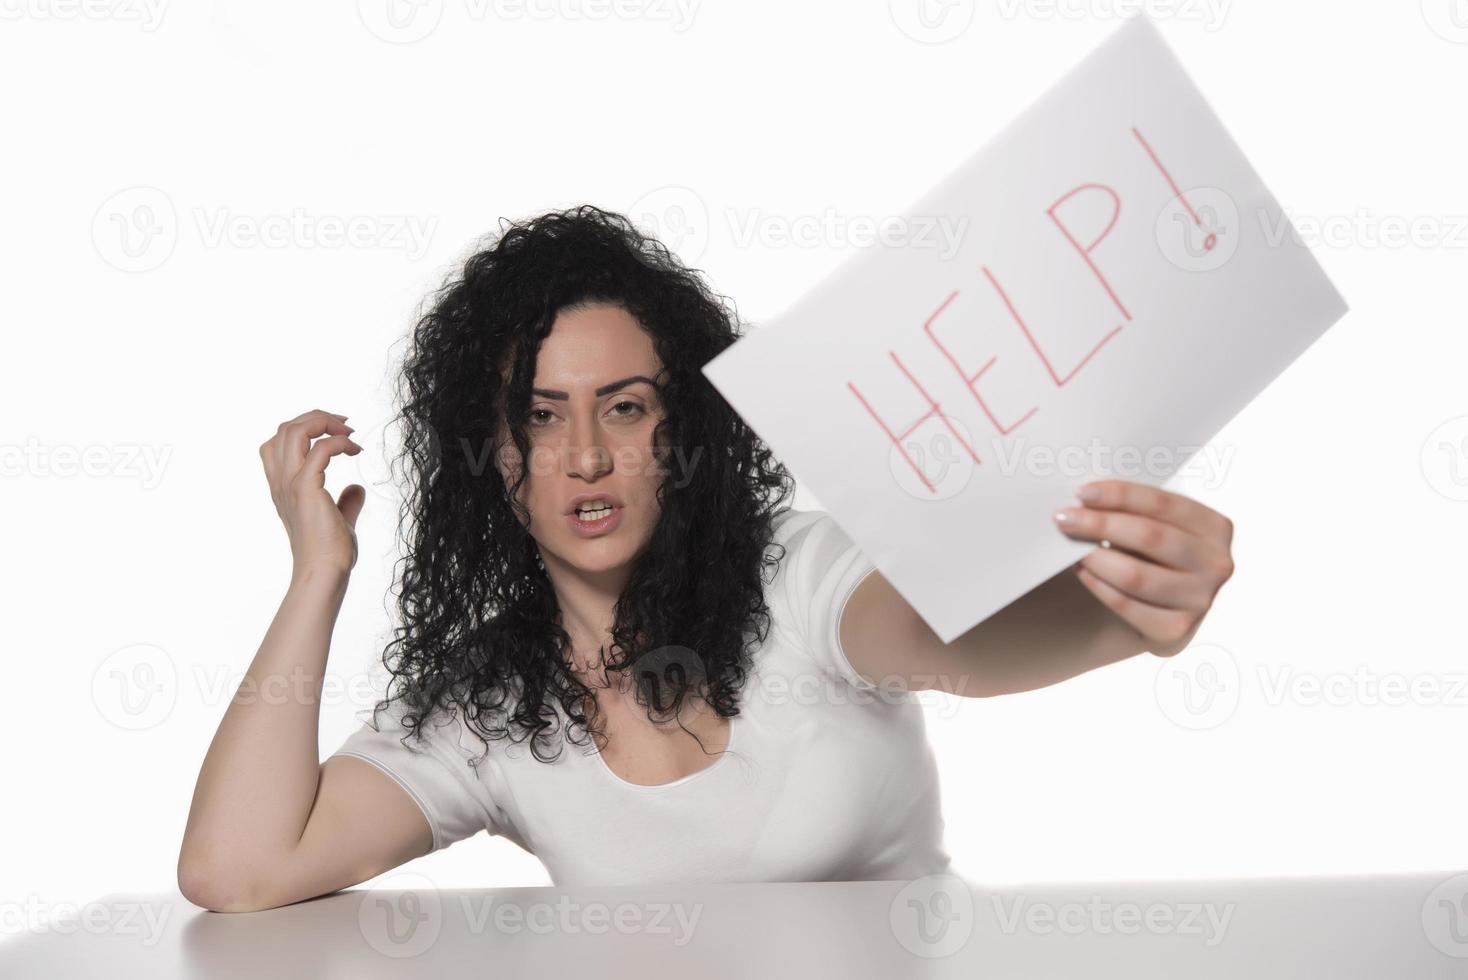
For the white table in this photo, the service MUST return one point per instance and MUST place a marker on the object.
(1394, 926)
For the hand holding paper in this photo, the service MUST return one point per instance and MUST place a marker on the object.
(1115, 300)
(1162, 560)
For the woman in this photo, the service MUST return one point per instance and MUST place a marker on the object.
(620, 648)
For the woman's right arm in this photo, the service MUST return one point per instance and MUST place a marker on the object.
(270, 824)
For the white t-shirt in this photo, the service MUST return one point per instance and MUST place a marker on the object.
(827, 777)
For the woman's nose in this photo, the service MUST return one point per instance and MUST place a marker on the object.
(587, 455)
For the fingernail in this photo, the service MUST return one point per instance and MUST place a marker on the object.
(1089, 492)
(1065, 516)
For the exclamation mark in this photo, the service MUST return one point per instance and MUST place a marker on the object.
(1211, 240)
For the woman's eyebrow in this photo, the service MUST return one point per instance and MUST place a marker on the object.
(603, 390)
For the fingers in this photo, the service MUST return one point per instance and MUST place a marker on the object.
(1163, 626)
(1163, 557)
(1163, 543)
(350, 503)
(1148, 582)
(313, 468)
(1163, 505)
(296, 435)
(284, 453)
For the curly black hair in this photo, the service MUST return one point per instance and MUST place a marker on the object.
(480, 628)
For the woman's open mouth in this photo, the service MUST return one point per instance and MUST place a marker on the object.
(595, 519)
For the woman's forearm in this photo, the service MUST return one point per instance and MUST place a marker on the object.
(258, 780)
(1051, 634)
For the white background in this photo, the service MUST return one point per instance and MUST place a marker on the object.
(163, 359)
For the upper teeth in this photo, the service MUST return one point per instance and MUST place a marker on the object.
(593, 510)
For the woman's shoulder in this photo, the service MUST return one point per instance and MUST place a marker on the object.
(440, 728)
(820, 569)
(811, 540)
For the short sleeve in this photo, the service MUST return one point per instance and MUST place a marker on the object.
(433, 772)
(822, 567)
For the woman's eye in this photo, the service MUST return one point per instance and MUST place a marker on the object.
(537, 413)
(635, 408)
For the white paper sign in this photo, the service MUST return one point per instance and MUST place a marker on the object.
(1122, 286)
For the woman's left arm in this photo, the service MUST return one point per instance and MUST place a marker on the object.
(1161, 560)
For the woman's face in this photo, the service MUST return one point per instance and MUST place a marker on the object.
(593, 406)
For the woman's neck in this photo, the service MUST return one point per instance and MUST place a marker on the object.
(588, 604)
